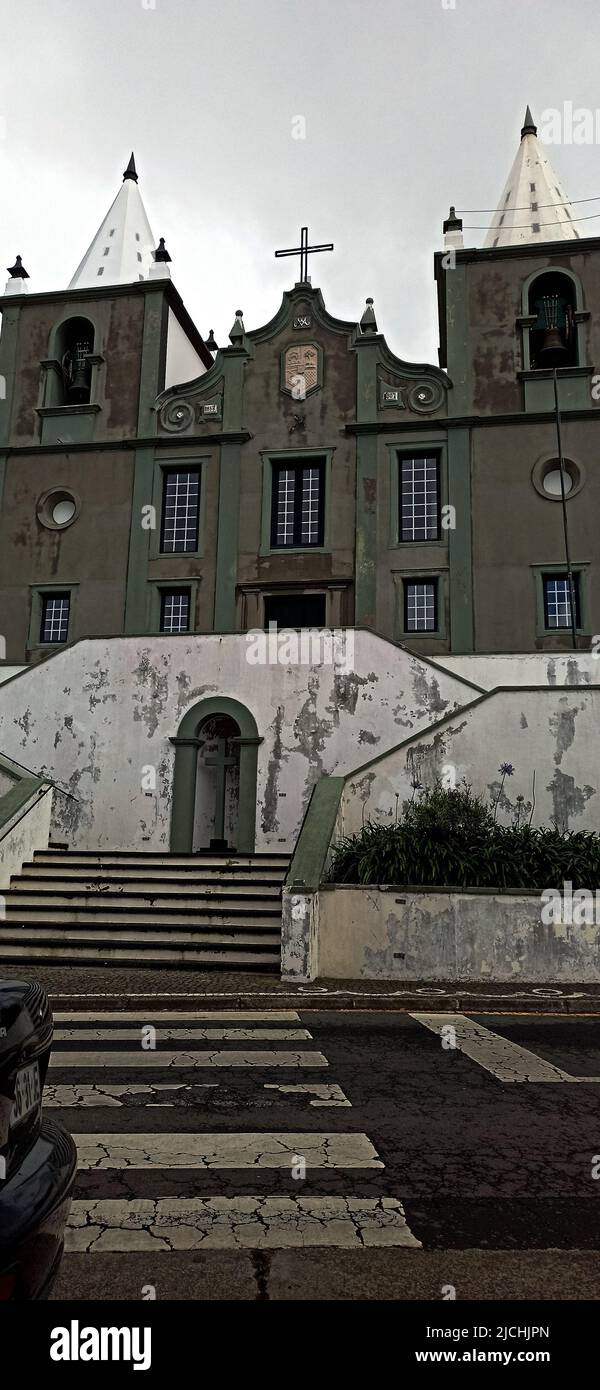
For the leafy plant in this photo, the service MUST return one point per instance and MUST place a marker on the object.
(450, 838)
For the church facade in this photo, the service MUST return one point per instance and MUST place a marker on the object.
(304, 475)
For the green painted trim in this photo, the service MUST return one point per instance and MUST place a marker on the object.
(439, 573)
(269, 457)
(162, 466)
(136, 616)
(8, 353)
(366, 532)
(460, 543)
(434, 447)
(152, 360)
(457, 340)
(18, 796)
(38, 592)
(155, 588)
(585, 626)
(185, 769)
(226, 566)
(312, 846)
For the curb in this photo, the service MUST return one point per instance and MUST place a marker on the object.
(438, 1000)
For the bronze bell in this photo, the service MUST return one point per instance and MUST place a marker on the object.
(553, 350)
(78, 372)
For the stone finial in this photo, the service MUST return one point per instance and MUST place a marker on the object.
(210, 342)
(529, 127)
(161, 253)
(453, 231)
(368, 321)
(17, 277)
(237, 332)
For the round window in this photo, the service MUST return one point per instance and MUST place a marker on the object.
(57, 509)
(551, 482)
(545, 476)
(63, 512)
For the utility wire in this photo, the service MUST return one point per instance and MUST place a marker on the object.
(526, 226)
(527, 206)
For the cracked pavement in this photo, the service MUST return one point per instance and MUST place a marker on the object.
(432, 1171)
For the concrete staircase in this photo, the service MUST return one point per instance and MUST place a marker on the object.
(118, 908)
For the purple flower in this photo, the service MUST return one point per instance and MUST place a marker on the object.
(506, 769)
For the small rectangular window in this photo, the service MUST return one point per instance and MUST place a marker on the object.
(535, 226)
(180, 511)
(532, 188)
(107, 250)
(55, 617)
(101, 270)
(534, 207)
(298, 504)
(420, 605)
(419, 499)
(175, 610)
(557, 601)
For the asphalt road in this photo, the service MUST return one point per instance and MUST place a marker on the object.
(412, 1163)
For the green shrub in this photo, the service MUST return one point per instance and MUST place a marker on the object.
(450, 838)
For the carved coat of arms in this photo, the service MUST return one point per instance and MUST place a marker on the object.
(301, 369)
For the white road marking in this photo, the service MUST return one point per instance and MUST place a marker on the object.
(238, 1223)
(203, 1151)
(325, 1095)
(183, 1034)
(157, 1016)
(187, 1060)
(111, 1093)
(505, 1060)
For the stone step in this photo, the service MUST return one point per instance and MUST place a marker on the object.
(118, 913)
(152, 859)
(37, 874)
(86, 954)
(144, 894)
(104, 933)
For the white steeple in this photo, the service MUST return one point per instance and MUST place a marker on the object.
(534, 206)
(122, 249)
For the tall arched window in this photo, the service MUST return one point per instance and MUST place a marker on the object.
(553, 331)
(74, 347)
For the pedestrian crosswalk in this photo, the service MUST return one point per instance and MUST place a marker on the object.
(213, 1156)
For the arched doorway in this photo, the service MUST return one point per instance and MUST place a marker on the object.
(214, 784)
(217, 784)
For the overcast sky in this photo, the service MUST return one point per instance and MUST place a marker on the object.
(408, 106)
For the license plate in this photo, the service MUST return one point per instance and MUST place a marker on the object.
(27, 1093)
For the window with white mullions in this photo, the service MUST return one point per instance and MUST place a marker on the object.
(175, 610)
(298, 504)
(419, 498)
(55, 617)
(420, 605)
(557, 600)
(180, 511)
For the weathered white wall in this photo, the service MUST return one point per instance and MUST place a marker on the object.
(28, 830)
(525, 668)
(99, 713)
(552, 732)
(374, 933)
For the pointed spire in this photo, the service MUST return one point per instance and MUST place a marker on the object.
(131, 171)
(368, 321)
(236, 335)
(528, 127)
(17, 277)
(122, 250)
(210, 343)
(533, 206)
